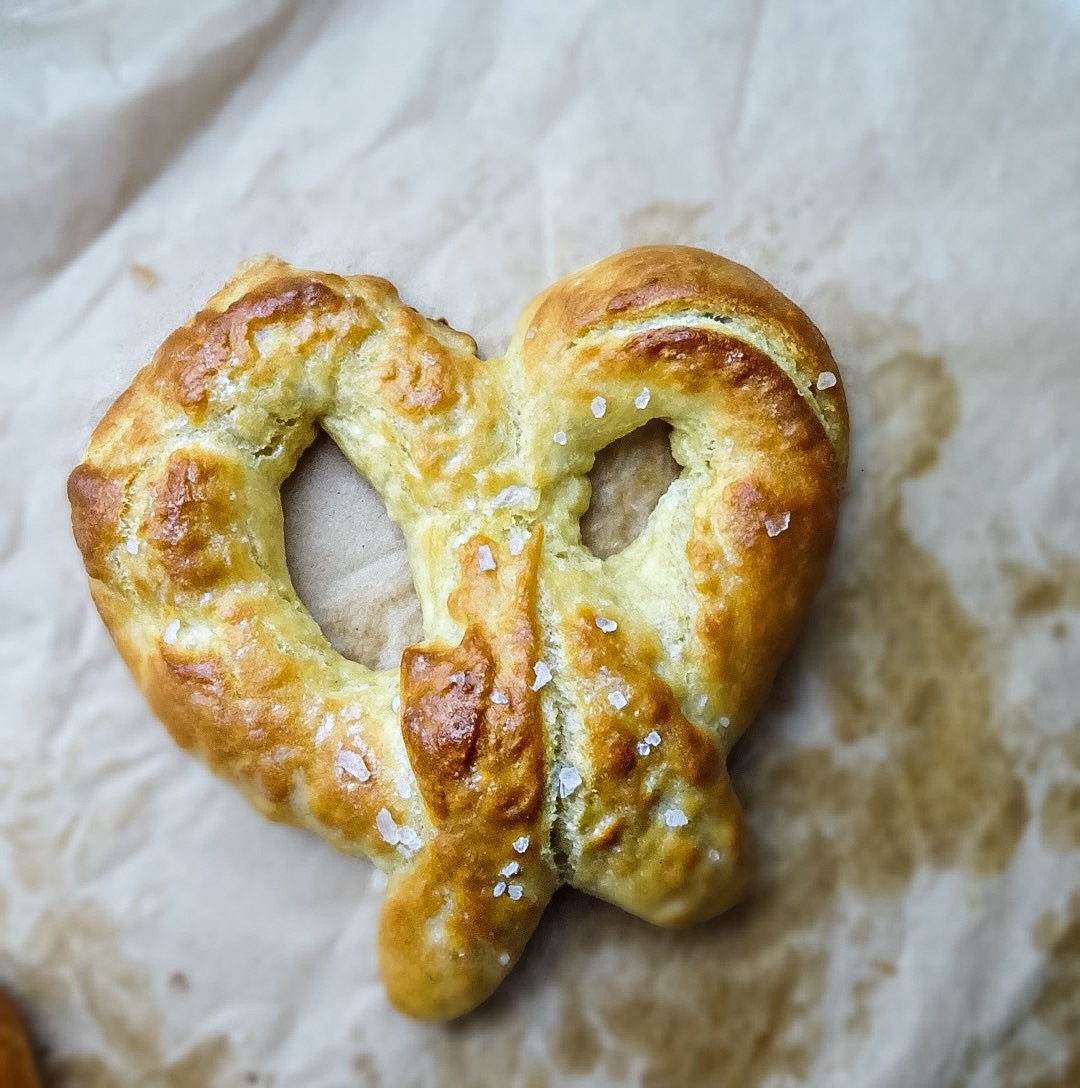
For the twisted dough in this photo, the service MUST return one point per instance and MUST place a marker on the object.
(473, 779)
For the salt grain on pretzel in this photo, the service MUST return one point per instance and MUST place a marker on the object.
(497, 729)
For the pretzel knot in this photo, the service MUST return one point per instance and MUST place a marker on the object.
(566, 719)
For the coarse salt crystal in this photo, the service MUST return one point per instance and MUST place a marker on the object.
(499, 698)
(521, 844)
(457, 677)
(559, 437)
(509, 869)
(675, 817)
(404, 788)
(643, 748)
(513, 495)
(703, 701)
(517, 540)
(642, 399)
(531, 332)
(499, 889)
(714, 855)
(605, 624)
(504, 958)
(599, 406)
(485, 560)
(387, 826)
(325, 729)
(617, 699)
(132, 545)
(826, 380)
(410, 839)
(543, 675)
(514, 891)
(775, 526)
(171, 631)
(569, 780)
(352, 763)
(725, 722)
(469, 503)
(652, 737)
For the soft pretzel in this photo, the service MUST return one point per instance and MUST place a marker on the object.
(567, 719)
(16, 1062)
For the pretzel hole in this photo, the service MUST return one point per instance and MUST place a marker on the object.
(348, 560)
(628, 479)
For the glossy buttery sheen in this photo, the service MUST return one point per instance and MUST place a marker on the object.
(566, 719)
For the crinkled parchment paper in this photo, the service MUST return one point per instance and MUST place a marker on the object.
(910, 174)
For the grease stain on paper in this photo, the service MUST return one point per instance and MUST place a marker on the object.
(863, 990)
(1060, 816)
(144, 276)
(487, 1047)
(1026, 1061)
(179, 982)
(367, 1071)
(1037, 591)
(907, 667)
(77, 958)
(576, 1045)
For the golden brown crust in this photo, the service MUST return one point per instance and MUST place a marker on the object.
(96, 501)
(16, 1062)
(656, 280)
(633, 848)
(476, 741)
(567, 719)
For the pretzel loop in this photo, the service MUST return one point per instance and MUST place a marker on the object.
(566, 718)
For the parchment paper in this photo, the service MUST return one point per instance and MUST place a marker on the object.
(909, 173)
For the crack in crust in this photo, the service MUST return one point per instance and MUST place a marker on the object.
(525, 719)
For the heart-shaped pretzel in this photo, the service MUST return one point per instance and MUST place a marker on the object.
(567, 719)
